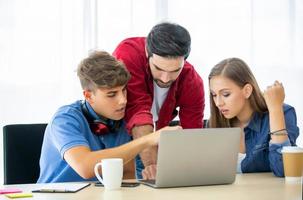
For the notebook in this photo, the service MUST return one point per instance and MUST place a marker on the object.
(192, 157)
(61, 187)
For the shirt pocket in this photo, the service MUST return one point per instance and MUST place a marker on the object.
(260, 148)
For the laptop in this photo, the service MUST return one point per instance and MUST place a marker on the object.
(194, 157)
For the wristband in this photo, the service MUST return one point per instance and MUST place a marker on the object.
(279, 132)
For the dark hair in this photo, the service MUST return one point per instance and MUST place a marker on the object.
(168, 40)
(238, 71)
(101, 69)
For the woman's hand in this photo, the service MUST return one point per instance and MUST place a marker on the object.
(274, 96)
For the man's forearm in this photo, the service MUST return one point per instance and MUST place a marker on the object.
(83, 160)
(148, 155)
(129, 170)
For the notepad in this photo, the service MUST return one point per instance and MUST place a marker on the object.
(61, 187)
(19, 195)
(9, 190)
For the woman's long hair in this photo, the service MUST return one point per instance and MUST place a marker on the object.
(236, 70)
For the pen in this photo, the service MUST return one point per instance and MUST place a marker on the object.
(52, 190)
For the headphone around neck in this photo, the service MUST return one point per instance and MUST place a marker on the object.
(100, 126)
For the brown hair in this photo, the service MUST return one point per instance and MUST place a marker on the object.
(101, 69)
(238, 71)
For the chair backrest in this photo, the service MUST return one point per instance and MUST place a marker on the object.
(21, 152)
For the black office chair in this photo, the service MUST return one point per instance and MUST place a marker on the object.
(21, 152)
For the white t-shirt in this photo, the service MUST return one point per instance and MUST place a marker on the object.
(160, 95)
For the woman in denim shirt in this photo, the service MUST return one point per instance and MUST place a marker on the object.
(267, 123)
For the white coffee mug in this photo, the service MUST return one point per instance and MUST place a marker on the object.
(112, 172)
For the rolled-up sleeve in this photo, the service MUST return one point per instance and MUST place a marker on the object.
(275, 155)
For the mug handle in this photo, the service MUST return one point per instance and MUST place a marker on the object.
(97, 172)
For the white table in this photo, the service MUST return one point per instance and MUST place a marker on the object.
(247, 186)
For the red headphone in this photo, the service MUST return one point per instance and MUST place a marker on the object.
(100, 126)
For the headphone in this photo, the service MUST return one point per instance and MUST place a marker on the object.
(100, 126)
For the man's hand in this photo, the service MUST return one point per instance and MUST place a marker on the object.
(149, 172)
(155, 136)
(148, 155)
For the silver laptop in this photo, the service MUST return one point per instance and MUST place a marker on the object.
(192, 157)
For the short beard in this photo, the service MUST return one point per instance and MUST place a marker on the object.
(164, 85)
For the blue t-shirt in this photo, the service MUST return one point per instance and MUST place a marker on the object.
(261, 155)
(69, 128)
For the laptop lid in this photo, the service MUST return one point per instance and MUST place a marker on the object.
(191, 157)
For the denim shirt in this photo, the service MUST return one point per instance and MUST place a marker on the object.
(261, 155)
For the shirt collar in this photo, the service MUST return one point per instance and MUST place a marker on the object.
(91, 111)
(255, 124)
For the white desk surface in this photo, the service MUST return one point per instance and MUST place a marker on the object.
(256, 186)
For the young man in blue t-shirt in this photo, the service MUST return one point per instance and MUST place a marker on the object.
(84, 132)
